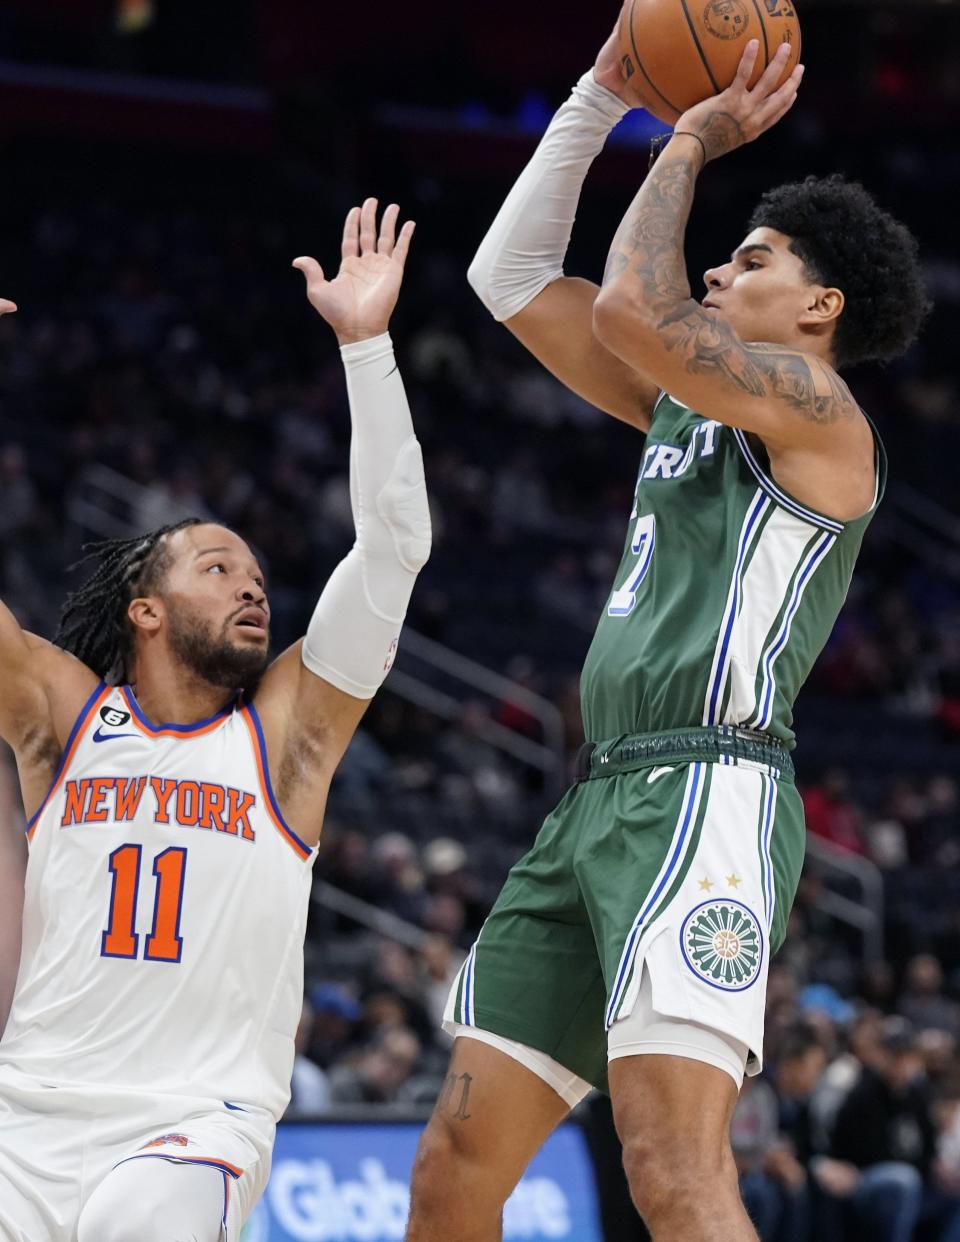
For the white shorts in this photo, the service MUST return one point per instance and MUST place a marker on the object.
(642, 1032)
(58, 1144)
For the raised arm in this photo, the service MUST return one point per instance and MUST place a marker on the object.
(314, 696)
(518, 270)
(817, 438)
(41, 692)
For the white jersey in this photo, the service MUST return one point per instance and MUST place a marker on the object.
(166, 907)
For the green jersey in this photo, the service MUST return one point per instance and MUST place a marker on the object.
(726, 594)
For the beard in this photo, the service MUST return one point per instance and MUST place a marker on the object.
(213, 657)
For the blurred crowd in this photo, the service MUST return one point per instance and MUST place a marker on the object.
(164, 362)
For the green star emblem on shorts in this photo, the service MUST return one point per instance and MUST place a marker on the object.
(680, 855)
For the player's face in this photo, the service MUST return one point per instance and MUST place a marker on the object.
(763, 292)
(216, 607)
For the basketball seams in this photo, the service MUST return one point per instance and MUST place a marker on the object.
(636, 53)
(717, 88)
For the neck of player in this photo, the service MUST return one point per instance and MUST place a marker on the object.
(170, 692)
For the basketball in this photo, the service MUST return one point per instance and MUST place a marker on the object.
(678, 52)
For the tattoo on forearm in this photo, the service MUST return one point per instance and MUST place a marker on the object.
(647, 258)
(709, 345)
(650, 241)
(455, 1096)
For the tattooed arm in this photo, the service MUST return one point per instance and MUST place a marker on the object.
(820, 445)
(647, 316)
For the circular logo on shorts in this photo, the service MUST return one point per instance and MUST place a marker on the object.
(726, 19)
(723, 945)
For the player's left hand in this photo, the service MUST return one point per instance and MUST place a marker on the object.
(7, 307)
(738, 115)
(359, 301)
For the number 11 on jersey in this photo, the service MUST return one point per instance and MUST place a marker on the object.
(624, 599)
(164, 943)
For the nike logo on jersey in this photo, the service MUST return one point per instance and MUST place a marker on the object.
(108, 737)
(657, 773)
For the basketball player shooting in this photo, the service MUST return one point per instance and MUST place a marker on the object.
(175, 781)
(629, 949)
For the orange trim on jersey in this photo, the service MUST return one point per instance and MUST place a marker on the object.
(79, 729)
(223, 1165)
(186, 732)
(259, 751)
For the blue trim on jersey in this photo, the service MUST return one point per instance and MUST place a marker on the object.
(234, 1108)
(616, 996)
(813, 560)
(199, 1162)
(468, 1014)
(77, 725)
(261, 742)
(148, 957)
(131, 698)
(111, 930)
(720, 678)
(770, 800)
(780, 496)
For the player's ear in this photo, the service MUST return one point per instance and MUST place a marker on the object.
(146, 614)
(824, 306)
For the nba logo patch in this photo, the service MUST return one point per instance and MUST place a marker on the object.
(173, 1140)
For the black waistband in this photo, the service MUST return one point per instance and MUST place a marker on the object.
(722, 744)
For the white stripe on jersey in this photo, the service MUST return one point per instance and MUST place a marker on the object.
(780, 550)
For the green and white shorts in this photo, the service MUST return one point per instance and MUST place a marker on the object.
(671, 866)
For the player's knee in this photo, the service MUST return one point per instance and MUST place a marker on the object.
(447, 1164)
(666, 1175)
(440, 1157)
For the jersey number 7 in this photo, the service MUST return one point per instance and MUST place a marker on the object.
(163, 943)
(624, 599)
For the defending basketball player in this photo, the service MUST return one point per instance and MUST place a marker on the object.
(175, 780)
(629, 949)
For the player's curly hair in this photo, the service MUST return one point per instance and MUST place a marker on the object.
(847, 241)
(93, 623)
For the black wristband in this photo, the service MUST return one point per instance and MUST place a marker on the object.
(688, 133)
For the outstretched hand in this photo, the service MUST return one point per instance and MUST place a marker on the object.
(738, 115)
(7, 307)
(359, 301)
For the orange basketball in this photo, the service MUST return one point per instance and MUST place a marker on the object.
(678, 52)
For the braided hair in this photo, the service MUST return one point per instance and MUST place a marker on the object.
(93, 624)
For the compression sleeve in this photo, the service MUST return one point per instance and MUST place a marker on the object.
(524, 250)
(352, 638)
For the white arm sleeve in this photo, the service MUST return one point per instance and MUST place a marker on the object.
(524, 250)
(353, 636)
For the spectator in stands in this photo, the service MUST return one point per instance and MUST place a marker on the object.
(376, 1074)
(336, 1015)
(439, 963)
(310, 1086)
(832, 814)
(394, 858)
(923, 1001)
(883, 1142)
(772, 1139)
